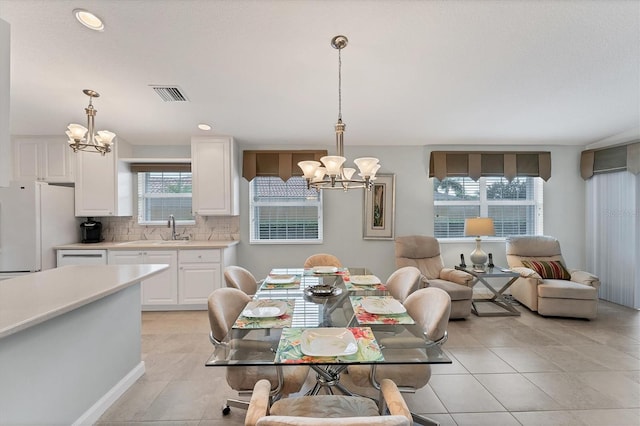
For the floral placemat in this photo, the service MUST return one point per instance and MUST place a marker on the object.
(289, 350)
(365, 317)
(282, 321)
(280, 286)
(341, 271)
(355, 287)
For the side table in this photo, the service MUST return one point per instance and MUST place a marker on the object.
(498, 298)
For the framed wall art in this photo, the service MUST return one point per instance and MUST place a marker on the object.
(380, 209)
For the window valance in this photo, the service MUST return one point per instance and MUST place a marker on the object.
(443, 164)
(613, 159)
(276, 163)
(160, 167)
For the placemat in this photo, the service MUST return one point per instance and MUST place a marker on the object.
(355, 287)
(289, 348)
(282, 321)
(365, 317)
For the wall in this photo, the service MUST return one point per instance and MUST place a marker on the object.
(564, 217)
(5, 142)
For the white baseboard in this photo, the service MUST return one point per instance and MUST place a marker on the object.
(93, 414)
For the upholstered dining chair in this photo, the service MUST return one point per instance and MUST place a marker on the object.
(404, 281)
(225, 305)
(322, 259)
(430, 308)
(240, 278)
(322, 410)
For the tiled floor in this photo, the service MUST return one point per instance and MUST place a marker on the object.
(526, 370)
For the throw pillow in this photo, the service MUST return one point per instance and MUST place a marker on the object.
(548, 269)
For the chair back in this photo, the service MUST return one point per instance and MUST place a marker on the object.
(403, 282)
(241, 279)
(420, 251)
(322, 259)
(532, 247)
(225, 305)
(430, 307)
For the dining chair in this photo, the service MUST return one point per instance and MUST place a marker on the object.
(404, 281)
(241, 278)
(225, 305)
(321, 410)
(322, 259)
(430, 308)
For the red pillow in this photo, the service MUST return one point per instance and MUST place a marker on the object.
(548, 269)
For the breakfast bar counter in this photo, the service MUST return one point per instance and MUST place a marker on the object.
(70, 342)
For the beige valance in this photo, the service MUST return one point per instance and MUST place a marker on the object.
(443, 164)
(612, 159)
(160, 167)
(276, 163)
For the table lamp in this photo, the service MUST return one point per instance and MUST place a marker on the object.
(478, 226)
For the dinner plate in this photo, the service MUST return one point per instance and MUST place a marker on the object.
(280, 279)
(328, 342)
(325, 269)
(264, 308)
(382, 305)
(364, 279)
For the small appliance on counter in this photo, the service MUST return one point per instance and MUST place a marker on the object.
(91, 231)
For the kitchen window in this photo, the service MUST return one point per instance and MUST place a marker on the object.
(515, 207)
(164, 193)
(284, 212)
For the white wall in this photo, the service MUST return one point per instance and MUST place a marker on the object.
(564, 213)
(5, 142)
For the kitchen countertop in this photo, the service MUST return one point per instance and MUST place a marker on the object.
(35, 298)
(149, 244)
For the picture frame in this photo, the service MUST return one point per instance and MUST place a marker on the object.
(379, 211)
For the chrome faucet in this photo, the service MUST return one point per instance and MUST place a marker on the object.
(171, 223)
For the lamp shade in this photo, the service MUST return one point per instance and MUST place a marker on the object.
(478, 226)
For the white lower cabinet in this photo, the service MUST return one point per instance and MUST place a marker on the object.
(159, 290)
(199, 273)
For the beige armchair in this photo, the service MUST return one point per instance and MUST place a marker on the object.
(322, 259)
(404, 281)
(241, 278)
(545, 285)
(323, 410)
(423, 252)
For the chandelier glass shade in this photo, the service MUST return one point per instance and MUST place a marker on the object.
(329, 172)
(85, 138)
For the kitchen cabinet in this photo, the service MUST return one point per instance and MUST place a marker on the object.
(43, 159)
(160, 290)
(215, 176)
(104, 185)
(199, 273)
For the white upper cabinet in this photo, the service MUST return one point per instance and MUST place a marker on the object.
(104, 185)
(43, 159)
(215, 176)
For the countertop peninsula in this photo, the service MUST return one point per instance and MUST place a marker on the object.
(149, 244)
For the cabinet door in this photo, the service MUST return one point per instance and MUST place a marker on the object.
(197, 281)
(56, 164)
(161, 289)
(26, 163)
(95, 184)
(214, 176)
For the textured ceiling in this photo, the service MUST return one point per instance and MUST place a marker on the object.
(414, 72)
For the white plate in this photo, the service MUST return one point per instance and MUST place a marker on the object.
(364, 279)
(328, 342)
(382, 305)
(264, 308)
(281, 279)
(324, 269)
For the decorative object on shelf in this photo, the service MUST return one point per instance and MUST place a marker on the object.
(329, 173)
(490, 264)
(380, 209)
(83, 138)
(478, 226)
(462, 264)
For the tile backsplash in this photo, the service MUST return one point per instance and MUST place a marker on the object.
(207, 228)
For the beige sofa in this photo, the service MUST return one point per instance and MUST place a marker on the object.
(423, 252)
(538, 288)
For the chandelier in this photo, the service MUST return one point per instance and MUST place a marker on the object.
(83, 138)
(330, 174)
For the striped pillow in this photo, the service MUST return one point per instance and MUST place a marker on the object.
(548, 269)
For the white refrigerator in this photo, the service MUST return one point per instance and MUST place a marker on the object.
(34, 217)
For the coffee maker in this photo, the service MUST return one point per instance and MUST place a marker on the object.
(91, 231)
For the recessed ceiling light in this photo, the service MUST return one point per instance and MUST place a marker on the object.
(203, 126)
(88, 19)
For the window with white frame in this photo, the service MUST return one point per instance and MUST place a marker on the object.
(515, 207)
(284, 212)
(161, 194)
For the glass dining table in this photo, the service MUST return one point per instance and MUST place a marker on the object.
(327, 319)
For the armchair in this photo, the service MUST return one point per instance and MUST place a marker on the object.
(545, 285)
(242, 279)
(322, 259)
(423, 252)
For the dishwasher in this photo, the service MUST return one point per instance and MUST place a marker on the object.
(81, 257)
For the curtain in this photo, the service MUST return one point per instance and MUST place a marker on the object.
(474, 164)
(613, 235)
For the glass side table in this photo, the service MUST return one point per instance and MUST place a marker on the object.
(498, 299)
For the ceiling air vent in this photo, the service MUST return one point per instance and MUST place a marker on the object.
(170, 93)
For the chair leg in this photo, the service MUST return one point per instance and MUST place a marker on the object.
(426, 421)
(235, 403)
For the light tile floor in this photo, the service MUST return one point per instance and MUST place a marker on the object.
(526, 370)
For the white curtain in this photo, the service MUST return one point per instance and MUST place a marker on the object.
(613, 236)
